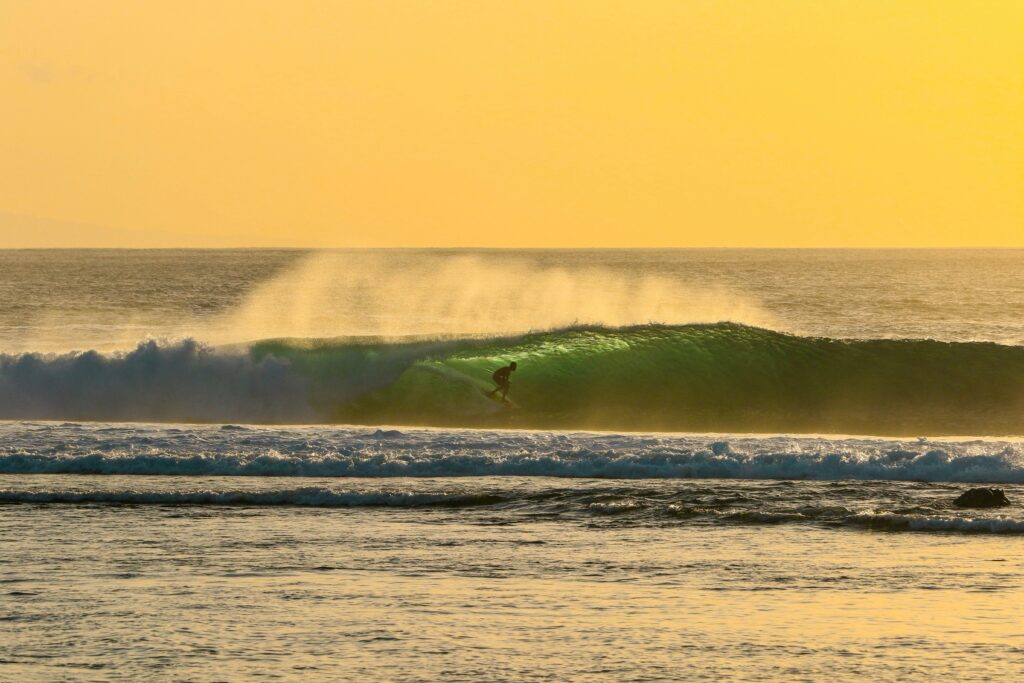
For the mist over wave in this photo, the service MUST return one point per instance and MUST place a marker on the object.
(394, 294)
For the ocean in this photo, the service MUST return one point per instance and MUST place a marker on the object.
(718, 464)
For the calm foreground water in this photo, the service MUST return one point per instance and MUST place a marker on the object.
(558, 591)
(737, 543)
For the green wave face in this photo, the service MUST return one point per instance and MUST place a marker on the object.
(721, 377)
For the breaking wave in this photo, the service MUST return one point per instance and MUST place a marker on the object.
(230, 450)
(717, 377)
(897, 522)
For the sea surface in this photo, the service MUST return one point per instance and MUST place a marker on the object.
(719, 464)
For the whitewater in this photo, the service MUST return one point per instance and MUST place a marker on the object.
(282, 463)
(233, 450)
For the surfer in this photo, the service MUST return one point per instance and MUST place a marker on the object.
(501, 378)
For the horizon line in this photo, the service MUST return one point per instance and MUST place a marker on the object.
(522, 248)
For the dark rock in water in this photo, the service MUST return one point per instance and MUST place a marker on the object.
(982, 498)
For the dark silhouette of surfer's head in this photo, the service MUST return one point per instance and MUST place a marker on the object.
(512, 365)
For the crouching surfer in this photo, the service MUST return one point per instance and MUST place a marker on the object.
(501, 378)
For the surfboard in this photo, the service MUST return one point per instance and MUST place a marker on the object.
(508, 403)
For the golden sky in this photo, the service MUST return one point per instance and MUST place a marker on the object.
(534, 123)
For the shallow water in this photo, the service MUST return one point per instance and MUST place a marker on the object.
(166, 551)
(492, 591)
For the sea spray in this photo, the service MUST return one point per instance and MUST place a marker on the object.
(392, 294)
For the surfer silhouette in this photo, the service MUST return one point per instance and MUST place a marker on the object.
(501, 378)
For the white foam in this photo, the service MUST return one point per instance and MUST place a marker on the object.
(994, 525)
(359, 452)
(174, 381)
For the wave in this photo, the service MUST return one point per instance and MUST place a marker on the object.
(359, 453)
(617, 506)
(719, 377)
(885, 521)
(898, 522)
(300, 497)
(183, 381)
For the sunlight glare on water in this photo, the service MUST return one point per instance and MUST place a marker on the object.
(407, 595)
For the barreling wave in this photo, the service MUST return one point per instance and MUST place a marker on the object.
(720, 377)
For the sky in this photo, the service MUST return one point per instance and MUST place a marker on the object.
(542, 123)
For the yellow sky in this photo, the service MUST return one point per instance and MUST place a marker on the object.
(536, 123)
